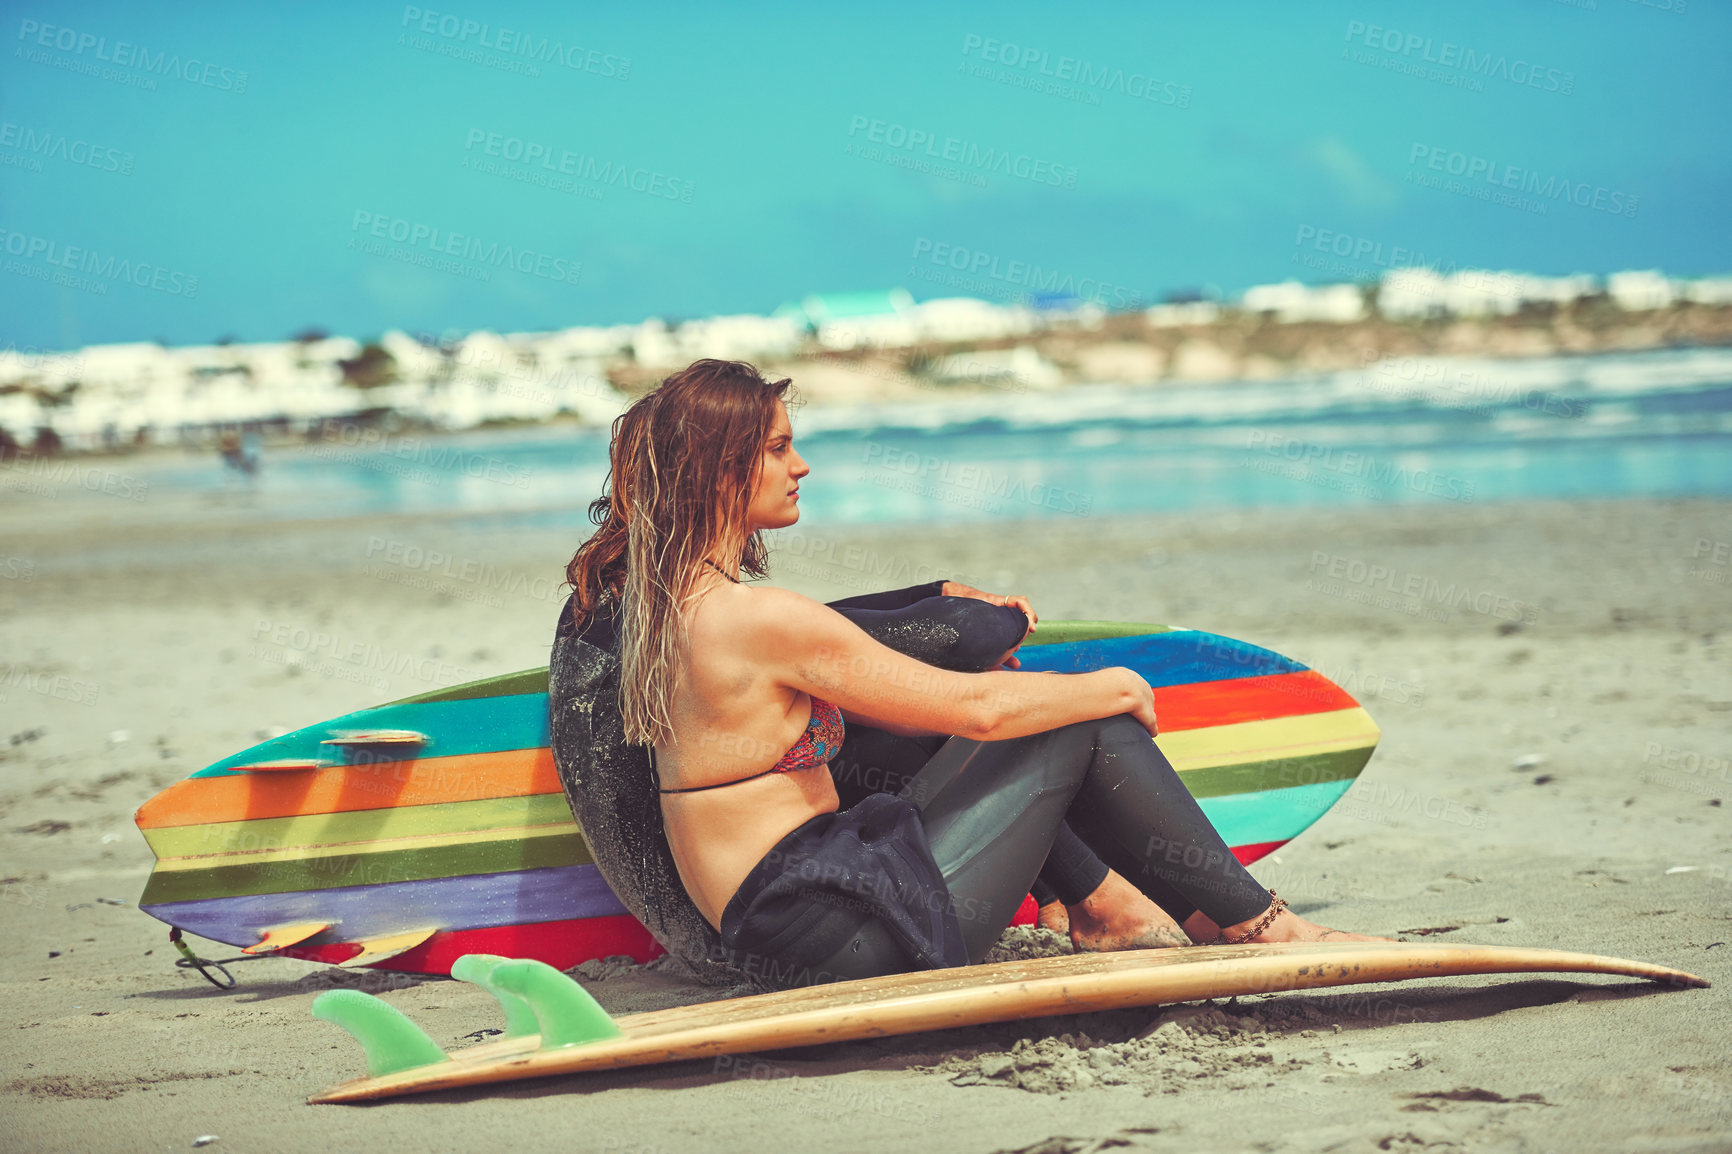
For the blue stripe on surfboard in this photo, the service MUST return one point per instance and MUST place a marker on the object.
(473, 725)
(1179, 657)
(475, 901)
(1271, 814)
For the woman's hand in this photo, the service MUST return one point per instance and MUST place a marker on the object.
(1014, 601)
(1143, 697)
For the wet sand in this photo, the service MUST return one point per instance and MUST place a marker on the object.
(1556, 704)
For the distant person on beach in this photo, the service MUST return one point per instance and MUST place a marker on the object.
(745, 695)
(240, 453)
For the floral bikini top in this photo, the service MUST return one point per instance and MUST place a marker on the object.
(817, 746)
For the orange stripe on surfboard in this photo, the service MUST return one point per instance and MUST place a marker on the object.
(340, 789)
(1206, 704)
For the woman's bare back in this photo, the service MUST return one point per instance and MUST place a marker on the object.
(732, 720)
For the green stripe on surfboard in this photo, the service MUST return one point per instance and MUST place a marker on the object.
(504, 685)
(358, 825)
(1254, 777)
(1067, 632)
(535, 680)
(336, 871)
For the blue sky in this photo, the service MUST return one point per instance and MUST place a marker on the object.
(346, 182)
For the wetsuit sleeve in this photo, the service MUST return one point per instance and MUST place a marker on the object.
(891, 598)
(964, 634)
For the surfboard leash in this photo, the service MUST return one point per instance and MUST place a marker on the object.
(190, 960)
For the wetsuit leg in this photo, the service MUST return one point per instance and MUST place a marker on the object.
(874, 761)
(992, 809)
(1072, 871)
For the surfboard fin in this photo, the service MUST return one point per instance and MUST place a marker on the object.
(536, 999)
(391, 1041)
(477, 969)
(284, 765)
(282, 937)
(367, 737)
(378, 949)
(566, 1013)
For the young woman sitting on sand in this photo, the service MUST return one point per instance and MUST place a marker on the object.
(744, 693)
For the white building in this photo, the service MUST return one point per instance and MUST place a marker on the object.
(968, 319)
(845, 321)
(1183, 313)
(1410, 293)
(1641, 291)
(1709, 290)
(1017, 369)
(741, 338)
(1293, 302)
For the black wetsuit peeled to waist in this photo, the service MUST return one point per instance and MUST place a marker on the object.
(965, 635)
(927, 878)
(611, 786)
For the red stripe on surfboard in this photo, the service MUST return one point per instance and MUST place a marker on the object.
(343, 789)
(561, 944)
(1205, 704)
(1028, 913)
(1250, 853)
(564, 944)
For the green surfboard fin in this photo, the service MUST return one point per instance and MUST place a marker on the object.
(568, 1016)
(391, 1041)
(477, 969)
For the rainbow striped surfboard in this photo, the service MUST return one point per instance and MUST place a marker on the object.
(410, 834)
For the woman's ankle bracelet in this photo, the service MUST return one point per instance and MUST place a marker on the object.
(1276, 905)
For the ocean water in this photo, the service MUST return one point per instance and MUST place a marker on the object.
(1412, 431)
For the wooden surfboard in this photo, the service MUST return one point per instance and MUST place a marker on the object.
(571, 1034)
(410, 834)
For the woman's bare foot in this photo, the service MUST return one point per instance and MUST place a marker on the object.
(1287, 927)
(1053, 916)
(1117, 916)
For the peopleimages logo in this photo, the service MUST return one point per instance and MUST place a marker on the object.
(108, 267)
(441, 242)
(53, 146)
(508, 42)
(1074, 69)
(123, 54)
(965, 153)
(1508, 176)
(1486, 65)
(564, 162)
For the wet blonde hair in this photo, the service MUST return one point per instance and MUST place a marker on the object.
(683, 468)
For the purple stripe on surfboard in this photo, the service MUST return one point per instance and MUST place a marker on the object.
(474, 901)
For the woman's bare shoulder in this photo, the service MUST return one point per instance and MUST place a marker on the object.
(736, 612)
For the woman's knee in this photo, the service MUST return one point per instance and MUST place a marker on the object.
(1123, 727)
(869, 953)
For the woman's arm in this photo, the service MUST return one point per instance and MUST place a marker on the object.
(810, 647)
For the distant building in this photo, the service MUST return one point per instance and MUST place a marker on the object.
(1292, 302)
(1017, 369)
(1416, 293)
(741, 338)
(1709, 290)
(1176, 313)
(1640, 291)
(951, 319)
(844, 321)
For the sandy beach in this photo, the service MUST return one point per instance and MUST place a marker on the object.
(1557, 748)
